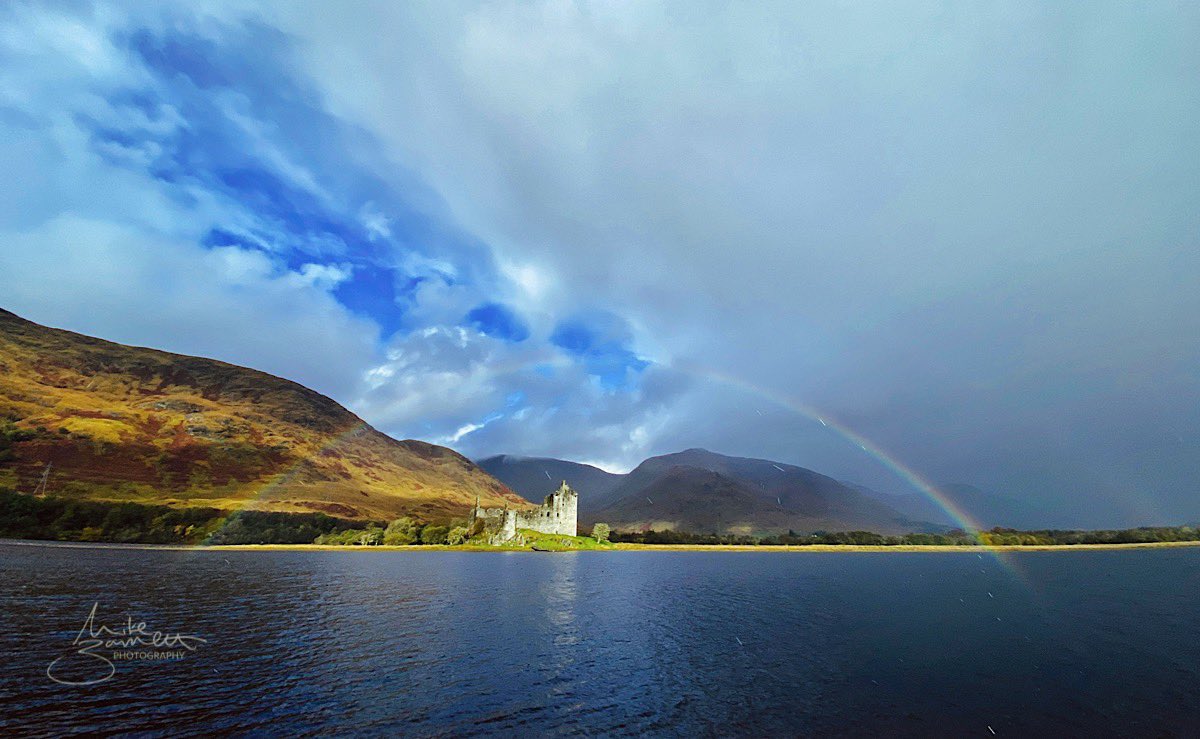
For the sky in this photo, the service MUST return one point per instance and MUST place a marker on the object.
(967, 233)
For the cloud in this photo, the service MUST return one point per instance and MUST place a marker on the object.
(960, 229)
(226, 303)
(108, 226)
(968, 234)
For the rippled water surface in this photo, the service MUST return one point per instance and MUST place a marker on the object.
(679, 643)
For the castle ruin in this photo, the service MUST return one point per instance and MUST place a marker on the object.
(559, 514)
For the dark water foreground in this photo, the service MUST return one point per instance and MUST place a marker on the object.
(681, 643)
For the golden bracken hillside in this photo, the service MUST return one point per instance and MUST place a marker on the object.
(122, 423)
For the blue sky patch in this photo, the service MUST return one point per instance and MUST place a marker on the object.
(601, 345)
(499, 321)
(371, 292)
(253, 137)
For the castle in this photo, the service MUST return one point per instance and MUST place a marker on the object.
(558, 515)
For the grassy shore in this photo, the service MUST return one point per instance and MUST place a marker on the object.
(824, 548)
(815, 548)
(898, 547)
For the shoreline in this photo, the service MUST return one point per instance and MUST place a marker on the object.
(617, 547)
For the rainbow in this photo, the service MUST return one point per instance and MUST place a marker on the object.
(956, 513)
(959, 515)
(285, 476)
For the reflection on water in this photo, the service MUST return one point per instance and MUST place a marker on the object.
(432, 643)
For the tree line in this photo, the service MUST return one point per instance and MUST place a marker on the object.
(63, 519)
(401, 532)
(994, 537)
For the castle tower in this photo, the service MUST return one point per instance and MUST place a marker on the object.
(564, 507)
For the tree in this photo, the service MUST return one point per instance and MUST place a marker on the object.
(457, 535)
(434, 534)
(371, 536)
(601, 532)
(401, 531)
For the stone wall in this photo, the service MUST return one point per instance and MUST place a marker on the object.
(559, 514)
(499, 524)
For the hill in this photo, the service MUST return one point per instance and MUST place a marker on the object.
(986, 509)
(536, 477)
(703, 492)
(990, 509)
(911, 505)
(120, 423)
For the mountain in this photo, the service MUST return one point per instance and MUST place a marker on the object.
(985, 509)
(911, 505)
(705, 492)
(695, 500)
(989, 509)
(122, 423)
(536, 477)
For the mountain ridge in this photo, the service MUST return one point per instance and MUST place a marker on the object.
(535, 477)
(117, 422)
(705, 492)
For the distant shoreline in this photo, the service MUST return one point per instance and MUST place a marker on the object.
(618, 547)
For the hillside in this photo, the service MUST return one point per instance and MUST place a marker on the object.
(704, 492)
(124, 423)
(986, 509)
(700, 491)
(536, 477)
(910, 505)
(694, 500)
(990, 509)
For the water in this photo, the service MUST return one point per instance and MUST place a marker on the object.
(625, 643)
